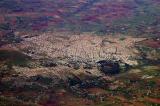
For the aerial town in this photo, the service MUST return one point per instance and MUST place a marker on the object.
(79, 52)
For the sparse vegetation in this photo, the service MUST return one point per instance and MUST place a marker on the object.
(13, 58)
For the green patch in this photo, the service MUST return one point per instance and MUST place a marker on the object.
(151, 104)
(109, 103)
(151, 70)
(33, 87)
(122, 38)
(4, 27)
(14, 58)
(151, 84)
(4, 101)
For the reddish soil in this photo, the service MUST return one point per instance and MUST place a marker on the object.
(152, 43)
(153, 100)
(96, 90)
